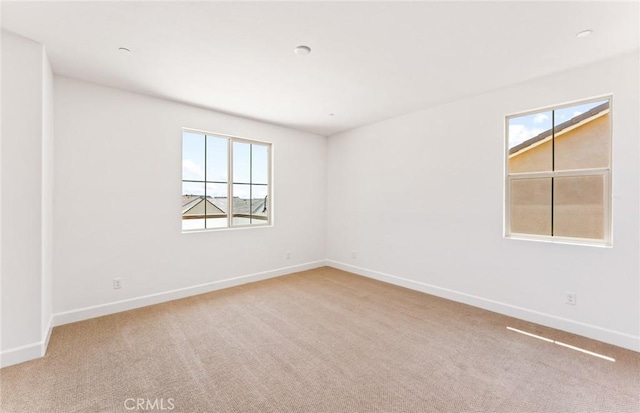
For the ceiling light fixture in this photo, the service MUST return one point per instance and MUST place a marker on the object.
(331, 114)
(124, 49)
(302, 50)
(584, 33)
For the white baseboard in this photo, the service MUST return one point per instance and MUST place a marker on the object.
(27, 352)
(47, 336)
(36, 350)
(20, 354)
(146, 300)
(597, 333)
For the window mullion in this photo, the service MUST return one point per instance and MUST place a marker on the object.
(205, 181)
(559, 174)
(531, 175)
(230, 183)
(250, 184)
(553, 163)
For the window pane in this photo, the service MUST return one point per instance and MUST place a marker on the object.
(241, 162)
(206, 201)
(582, 136)
(192, 205)
(216, 205)
(259, 204)
(259, 164)
(531, 206)
(530, 143)
(241, 204)
(579, 207)
(192, 156)
(217, 159)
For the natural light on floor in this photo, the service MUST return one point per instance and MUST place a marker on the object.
(591, 353)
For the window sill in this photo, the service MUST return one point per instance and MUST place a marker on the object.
(197, 231)
(561, 240)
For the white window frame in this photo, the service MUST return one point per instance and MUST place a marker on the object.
(605, 172)
(230, 141)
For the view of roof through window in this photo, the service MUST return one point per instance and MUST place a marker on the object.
(558, 178)
(526, 130)
(207, 161)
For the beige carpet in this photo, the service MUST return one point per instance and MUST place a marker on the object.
(318, 341)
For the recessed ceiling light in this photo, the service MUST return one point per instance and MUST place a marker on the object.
(124, 49)
(302, 50)
(584, 33)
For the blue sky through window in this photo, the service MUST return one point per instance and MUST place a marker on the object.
(250, 165)
(525, 127)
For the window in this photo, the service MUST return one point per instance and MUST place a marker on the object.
(226, 181)
(558, 173)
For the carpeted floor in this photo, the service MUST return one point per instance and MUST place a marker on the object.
(318, 341)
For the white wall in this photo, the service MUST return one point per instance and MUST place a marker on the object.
(47, 197)
(419, 198)
(117, 203)
(27, 137)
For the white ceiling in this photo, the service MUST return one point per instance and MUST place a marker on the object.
(369, 61)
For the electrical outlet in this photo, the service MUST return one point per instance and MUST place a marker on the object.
(288, 255)
(117, 283)
(571, 298)
(353, 255)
